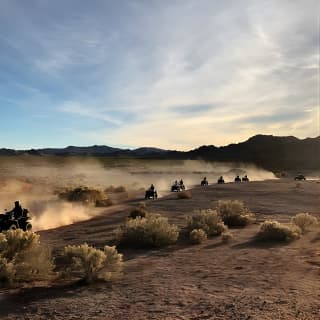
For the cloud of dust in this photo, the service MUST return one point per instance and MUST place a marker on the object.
(60, 214)
(34, 182)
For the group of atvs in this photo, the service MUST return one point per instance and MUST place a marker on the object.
(18, 218)
(151, 193)
(237, 179)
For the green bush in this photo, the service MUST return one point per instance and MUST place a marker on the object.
(91, 264)
(234, 214)
(275, 231)
(305, 221)
(151, 231)
(197, 236)
(22, 258)
(207, 220)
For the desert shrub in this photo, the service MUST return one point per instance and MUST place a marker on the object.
(113, 189)
(142, 205)
(226, 237)
(82, 194)
(304, 221)
(120, 189)
(234, 214)
(91, 264)
(207, 220)
(7, 271)
(139, 211)
(197, 236)
(104, 203)
(275, 231)
(186, 194)
(151, 231)
(22, 258)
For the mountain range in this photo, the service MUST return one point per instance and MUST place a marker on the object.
(267, 151)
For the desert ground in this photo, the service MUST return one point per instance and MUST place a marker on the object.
(243, 279)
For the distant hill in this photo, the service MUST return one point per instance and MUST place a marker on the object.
(270, 152)
(267, 151)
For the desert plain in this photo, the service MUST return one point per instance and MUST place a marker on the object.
(241, 279)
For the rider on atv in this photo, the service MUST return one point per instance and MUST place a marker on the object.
(17, 211)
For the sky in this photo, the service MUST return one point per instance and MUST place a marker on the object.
(174, 74)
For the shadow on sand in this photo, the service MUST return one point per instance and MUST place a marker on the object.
(20, 300)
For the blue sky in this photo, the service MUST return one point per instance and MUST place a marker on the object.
(170, 74)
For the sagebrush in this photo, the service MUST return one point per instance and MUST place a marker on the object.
(83, 195)
(234, 213)
(305, 221)
(227, 237)
(150, 231)
(276, 231)
(207, 220)
(139, 211)
(113, 189)
(22, 258)
(92, 264)
(197, 236)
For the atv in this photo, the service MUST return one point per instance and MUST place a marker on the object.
(151, 194)
(237, 179)
(9, 222)
(300, 177)
(177, 187)
(220, 180)
(204, 183)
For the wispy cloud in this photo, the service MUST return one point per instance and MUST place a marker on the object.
(168, 74)
(88, 112)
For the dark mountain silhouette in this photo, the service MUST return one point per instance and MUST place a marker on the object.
(267, 151)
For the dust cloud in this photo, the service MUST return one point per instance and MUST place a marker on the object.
(35, 181)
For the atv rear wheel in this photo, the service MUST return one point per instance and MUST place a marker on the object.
(13, 227)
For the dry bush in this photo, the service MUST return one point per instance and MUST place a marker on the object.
(151, 231)
(275, 231)
(142, 205)
(104, 203)
(22, 258)
(234, 214)
(227, 237)
(197, 236)
(186, 194)
(207, 220)
(7, 272)
(113, 189)
(91, 264)
(305, 221)
(82, 194)
(139, 211)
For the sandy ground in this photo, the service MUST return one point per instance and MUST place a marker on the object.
(240, 280)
